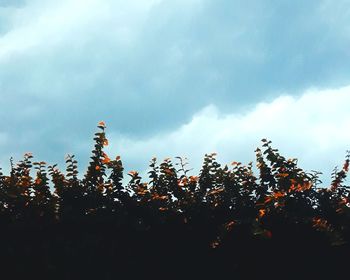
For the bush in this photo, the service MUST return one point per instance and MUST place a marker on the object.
(224, 222)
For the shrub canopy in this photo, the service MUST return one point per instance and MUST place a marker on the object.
(225, 221)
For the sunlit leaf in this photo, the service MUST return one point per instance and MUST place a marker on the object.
(105, 142)
(133, 173)
(102, 124)
(262, 213)
(38, 181)
(282, 175)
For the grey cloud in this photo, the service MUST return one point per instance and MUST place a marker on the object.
(174, 61)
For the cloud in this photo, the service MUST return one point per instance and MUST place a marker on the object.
(115, 58)
(3, 138)
(147, 66)
(11, 3)
(313, 128)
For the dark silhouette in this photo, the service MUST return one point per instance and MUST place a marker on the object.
(227, 223)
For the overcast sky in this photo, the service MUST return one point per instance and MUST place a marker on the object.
(175, 78)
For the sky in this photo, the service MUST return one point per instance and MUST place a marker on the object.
(175, 78)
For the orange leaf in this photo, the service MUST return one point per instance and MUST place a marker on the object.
(278, 194)
(106, 159)
(293, 181)
(292, 188)
(262, 213)
(102, 123)
(28, 154)
(307, 186)
(193, 179)
(105, 142)
(38, 181)
(181, 183)
(133, 173)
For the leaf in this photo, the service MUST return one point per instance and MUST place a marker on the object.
(102, 124)
(282, 175)
(229, 225)
(262, 213)
(277, 195)
(216, 191)
(38, 181)
(105, 142)
(133, 173)
(105, 159)
(194, 179)
(183, 182)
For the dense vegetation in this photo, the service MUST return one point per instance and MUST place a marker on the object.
(224, 222)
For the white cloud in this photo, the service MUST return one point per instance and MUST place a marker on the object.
(51, 23)
(313, 128)
(146, 66)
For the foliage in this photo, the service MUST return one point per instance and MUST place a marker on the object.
(226, 219)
